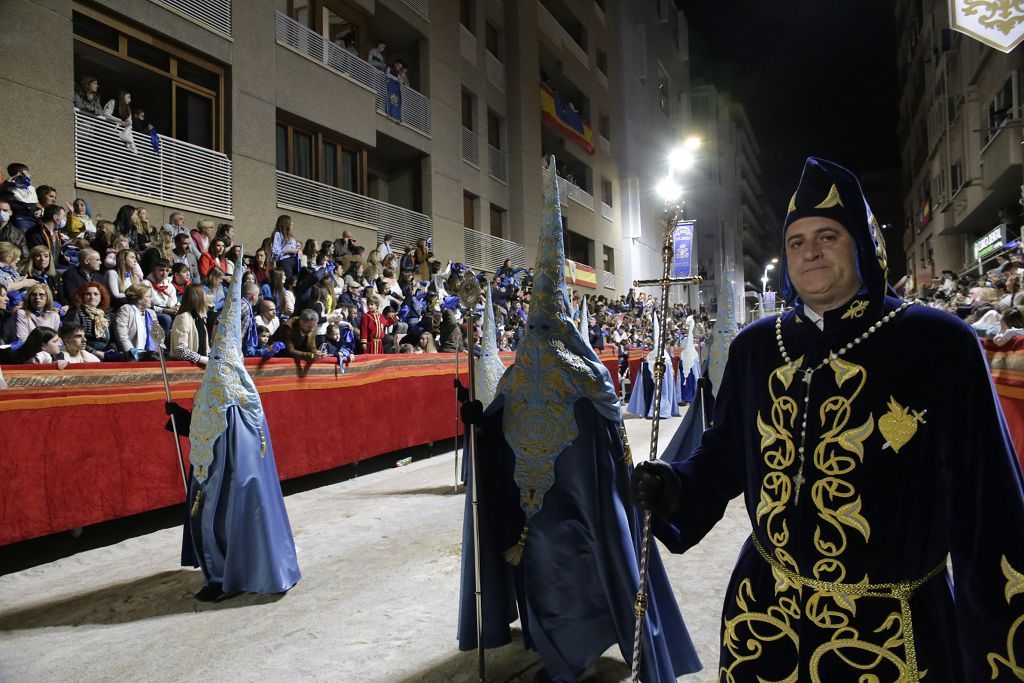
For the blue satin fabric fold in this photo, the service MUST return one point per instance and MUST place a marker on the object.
(643, 395)
(242, 538)
(575, 588)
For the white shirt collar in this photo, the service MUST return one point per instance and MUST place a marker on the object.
(814, 317)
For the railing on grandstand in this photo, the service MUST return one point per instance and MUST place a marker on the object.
(178, 174)
(487, 252)
(317, 199)
(497, 164)
(412, 108)
(558, 35)
(495, 72)
(213, 14)
(607, 212)
(470, 147)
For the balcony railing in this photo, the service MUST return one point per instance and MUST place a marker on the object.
(412, 109)
(467, 44)
(604, 144)
(470, 147)
(317, 199)
(422, 7)
(180, 175)
(309, 43)
(497, 164)
(212, 14)
(487, 252)
(607, 212)
(495, 72)
(557, 33)
(607, 279)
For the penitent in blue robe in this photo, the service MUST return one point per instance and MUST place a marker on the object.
(687, 438)
(242, 534)
(575, 588)
(642, 399)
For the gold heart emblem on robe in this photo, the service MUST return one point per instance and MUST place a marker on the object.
(899, 425)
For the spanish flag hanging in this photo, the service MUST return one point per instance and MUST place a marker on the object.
(557, 113)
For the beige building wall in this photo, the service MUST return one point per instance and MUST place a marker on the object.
(265, 78)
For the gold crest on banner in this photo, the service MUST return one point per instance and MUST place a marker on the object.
(996, 23)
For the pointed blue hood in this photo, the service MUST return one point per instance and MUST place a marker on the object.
(489, 367)
(226, 383)
(554, 368)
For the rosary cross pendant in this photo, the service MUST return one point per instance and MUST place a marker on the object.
(798, 481)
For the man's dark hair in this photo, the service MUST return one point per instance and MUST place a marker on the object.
(44, 189)
(15, 168)
(68, 329)
(50, 212)
(178, 267)
(162, 263)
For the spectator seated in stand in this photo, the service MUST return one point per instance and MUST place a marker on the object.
(73, 336)
(133, 324)
(190, 331)
(10, 278)
(17, 191)
(298, 334)
(88, 270)
(36, 311)
(124, 274)
(90, 309)
(41, 345)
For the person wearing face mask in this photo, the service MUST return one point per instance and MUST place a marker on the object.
(47, 233)
(9, 232)
(19, 193)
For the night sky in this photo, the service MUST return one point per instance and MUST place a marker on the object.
(817, 77)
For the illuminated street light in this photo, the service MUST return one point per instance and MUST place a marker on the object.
(680, 158)
(692, 143)
(764, 278)
(668, 189)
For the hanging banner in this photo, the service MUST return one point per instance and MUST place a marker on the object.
(580, 274)
(682, 249)
(559, 114)
(394, 99)
(998, 24)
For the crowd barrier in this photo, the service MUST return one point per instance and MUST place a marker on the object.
(1007, 366)
(88, 444)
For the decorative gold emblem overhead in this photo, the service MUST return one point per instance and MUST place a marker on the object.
(996, 23)
(833, 199)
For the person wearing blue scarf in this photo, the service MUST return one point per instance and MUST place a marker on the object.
(559, 540)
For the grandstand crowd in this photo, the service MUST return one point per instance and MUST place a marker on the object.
(75, 288)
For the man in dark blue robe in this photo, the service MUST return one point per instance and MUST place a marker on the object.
(866, 459)
(558, 538)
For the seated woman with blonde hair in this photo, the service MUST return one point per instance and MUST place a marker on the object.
(36, 311)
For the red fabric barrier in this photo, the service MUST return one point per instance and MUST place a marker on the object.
(88, 444)
(1007, 366)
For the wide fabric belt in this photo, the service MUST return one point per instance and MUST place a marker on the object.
(901, 591)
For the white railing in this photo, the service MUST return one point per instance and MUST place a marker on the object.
(567, 190)
(607, 279)
(487, 252)
(497, 164)
(557, 33)
(467, 44)
(414, 108)
(607, 212)
(495, 72)
(470, 147)
(293, 35)
(560, 182)
(212, 14)
(180, 175)
(334, 203)
(422, 7)
(604, 144)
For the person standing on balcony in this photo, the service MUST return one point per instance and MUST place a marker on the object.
(87, 96)
(384, 248)
(285, 248)
(376, 55)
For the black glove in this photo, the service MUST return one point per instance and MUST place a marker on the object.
(472, 413)
(655, 487)
(182, 418)
(461, 392)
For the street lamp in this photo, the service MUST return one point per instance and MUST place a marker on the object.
(764, 278)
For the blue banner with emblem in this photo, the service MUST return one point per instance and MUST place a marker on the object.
(682, 249)
(394, 99)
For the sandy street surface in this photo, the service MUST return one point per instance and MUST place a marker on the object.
(377, 602)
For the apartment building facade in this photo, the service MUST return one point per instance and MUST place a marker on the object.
(735, 223)
(272, 106)
(960, 130)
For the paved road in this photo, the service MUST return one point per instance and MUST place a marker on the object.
(377, 602)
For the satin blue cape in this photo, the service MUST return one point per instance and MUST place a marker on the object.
(643, 394)
(687, 437)
(575, 588)
(241, 538)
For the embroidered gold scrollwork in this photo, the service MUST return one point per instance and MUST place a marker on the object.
(772, 625)
(779, 452)
(1014, 587)
(856, 309)
(862, 655)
